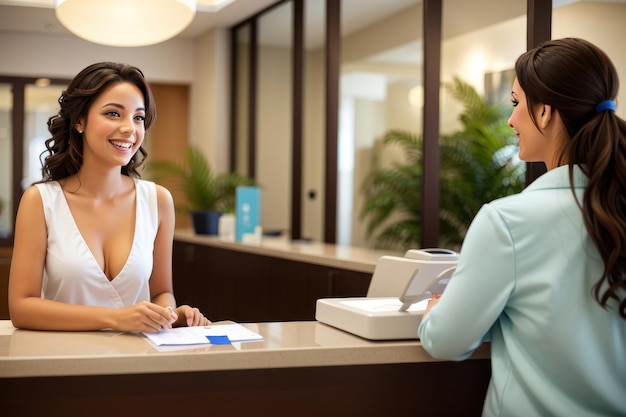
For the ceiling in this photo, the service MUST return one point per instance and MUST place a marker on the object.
(37, 16)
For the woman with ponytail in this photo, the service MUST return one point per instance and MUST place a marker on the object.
(542, 274)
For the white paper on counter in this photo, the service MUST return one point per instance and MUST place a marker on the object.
(198, 335)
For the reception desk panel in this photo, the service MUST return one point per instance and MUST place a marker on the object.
(300, 369)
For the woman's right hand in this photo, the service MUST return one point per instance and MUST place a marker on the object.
(144, 317)
(431, 303)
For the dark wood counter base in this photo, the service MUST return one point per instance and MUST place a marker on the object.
(415, 389)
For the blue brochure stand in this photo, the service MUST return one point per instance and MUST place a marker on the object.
(248, 214)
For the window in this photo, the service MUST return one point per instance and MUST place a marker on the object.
(25, 106)
(362, 73)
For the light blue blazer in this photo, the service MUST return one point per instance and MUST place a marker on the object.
(524, 280)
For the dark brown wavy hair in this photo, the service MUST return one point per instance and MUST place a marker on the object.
(64, 150)
(573, 76)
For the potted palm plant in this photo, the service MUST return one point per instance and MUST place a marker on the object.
(208, 196)
(478, 164)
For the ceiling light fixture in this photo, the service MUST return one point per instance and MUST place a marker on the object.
(125, 22)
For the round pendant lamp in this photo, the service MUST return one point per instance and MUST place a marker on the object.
(125, 22)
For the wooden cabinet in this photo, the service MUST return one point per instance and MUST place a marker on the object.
(233, 285)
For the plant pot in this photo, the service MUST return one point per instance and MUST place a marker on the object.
(205, 222)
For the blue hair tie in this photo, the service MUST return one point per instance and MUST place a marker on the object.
(605, 105)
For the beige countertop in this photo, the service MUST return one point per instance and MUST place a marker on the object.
(337, 256)
(25, 353)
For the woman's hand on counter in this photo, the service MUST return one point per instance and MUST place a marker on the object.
(190, 316)
(433, 302)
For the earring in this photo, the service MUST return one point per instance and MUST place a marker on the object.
(80, 132)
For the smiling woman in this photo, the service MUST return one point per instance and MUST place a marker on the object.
(93, 242)
(39, 103)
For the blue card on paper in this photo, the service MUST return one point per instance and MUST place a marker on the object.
(247, 213)
(219, 340)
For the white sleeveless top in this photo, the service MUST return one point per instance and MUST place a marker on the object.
(72, 274)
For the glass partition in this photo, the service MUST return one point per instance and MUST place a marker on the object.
(274, 116)
(477, 57)
(380, 91)
(41, 102)
(242, 74)
(6, 161)
(313, 139)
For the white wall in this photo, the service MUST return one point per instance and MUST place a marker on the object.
(210, 103)
(63, 56)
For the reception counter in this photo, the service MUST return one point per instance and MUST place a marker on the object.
(299, 369)
(274, 280)
(281, 247)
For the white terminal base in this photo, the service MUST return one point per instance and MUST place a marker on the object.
(374, 318)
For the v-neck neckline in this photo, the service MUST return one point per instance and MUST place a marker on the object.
(84, 242)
